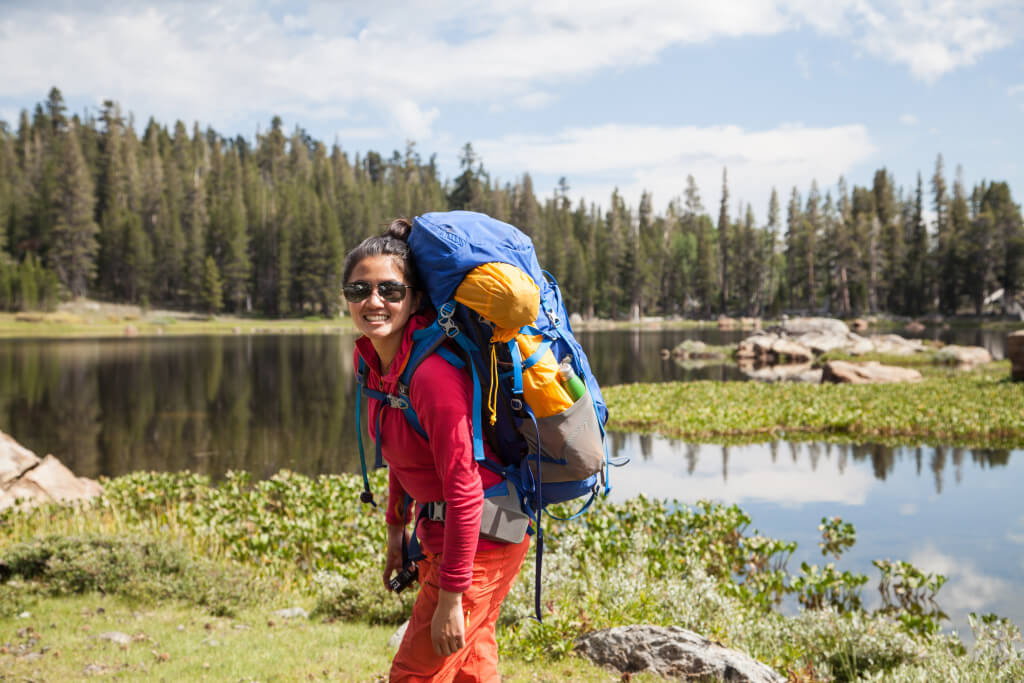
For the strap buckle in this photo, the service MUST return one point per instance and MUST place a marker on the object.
(435, 511)
(399, 402)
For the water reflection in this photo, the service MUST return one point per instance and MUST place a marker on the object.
(210, 405)
(947, 510)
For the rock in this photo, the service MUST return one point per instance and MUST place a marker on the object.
(575, 320)
(396, 638)
(1015, 352)
(292, 613)
(897, 345)
(691, 348)
(727, 323)
(798, 326)
(963, 355)
(674, 652)
(15, 459)
(25, 477)
(841, 372)
(131, 331)
(116, 637)
(789, 372)
(858, 324)
(914, 327)
(790, 350)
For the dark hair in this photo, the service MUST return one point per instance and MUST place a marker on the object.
(393, 243)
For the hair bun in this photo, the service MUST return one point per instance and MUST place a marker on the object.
(399, 229)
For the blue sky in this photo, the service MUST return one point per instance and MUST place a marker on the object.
(631, 95)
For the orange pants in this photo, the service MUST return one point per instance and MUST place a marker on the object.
(494, 571)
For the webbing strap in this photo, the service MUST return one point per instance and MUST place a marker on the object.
(517, 368)
(478, 430)
(537, 355)
(367, 496)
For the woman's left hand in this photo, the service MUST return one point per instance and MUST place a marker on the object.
(448, 627)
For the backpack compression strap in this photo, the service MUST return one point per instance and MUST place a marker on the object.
(426, 340)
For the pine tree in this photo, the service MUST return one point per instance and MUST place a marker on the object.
(211, 294)
(723, 245)
(946, 266)
(74, 247)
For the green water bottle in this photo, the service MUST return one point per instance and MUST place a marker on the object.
(570, 380)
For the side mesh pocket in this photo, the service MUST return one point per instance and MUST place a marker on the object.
(571, 445)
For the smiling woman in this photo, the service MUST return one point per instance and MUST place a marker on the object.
(463, 577)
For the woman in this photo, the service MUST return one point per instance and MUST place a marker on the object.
(463, 578)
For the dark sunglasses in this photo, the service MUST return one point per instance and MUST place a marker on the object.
(390, 291)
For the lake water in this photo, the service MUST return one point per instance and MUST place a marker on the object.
(262, 403)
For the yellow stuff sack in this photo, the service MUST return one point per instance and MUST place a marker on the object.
(503, 294)
(541, 388)
(509, 298)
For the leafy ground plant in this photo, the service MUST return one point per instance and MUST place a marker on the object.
(703, 567)
(976, 409)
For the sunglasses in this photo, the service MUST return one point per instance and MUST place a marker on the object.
(389, 291)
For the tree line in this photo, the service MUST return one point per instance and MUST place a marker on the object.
(206, 222)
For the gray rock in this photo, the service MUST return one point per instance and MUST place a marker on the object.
(674, 652)
(116, 637)
(897, 345)
(292, 613)
(24, 477)
(396, 638)
(827, 326)
(841, 372)
(963, 355)
(789, 372)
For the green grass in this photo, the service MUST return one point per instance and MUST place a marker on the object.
(69, 325)
(174, 560)
(981, 409)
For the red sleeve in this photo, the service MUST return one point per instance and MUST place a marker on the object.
(442, 396)
(395, 514)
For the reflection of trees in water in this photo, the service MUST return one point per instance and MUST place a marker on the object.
(208, 405)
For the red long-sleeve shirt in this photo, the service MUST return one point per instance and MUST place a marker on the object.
(439, 469)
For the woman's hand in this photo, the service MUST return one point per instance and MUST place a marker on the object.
(397, 533)
(448, 627)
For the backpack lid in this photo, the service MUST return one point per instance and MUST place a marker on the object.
(448, 244)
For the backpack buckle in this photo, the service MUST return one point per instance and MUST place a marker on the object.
(516, 404)
(398, 402)
(435, 511)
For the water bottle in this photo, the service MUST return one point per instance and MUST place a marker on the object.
(570, 380)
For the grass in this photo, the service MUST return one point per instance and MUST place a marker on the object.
(131, 321)
(60, 640)
(980, 409)
(194, 572)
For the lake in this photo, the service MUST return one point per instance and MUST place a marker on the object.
(263, 403)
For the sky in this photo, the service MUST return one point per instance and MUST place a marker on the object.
(630, 95)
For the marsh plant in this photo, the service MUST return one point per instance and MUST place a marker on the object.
(702, 567)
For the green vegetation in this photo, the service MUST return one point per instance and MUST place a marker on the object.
(133, 322)
(979, 409)
(178, 562)
(137, 219)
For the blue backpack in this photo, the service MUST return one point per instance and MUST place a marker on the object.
(543, 460)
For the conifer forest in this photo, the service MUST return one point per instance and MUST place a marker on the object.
(195, 220)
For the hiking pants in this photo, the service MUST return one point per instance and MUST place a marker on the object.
(494, 571)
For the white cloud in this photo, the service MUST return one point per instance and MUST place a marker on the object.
(931, 37)
(1015, 90)
(191, 59)
(753, 477)
(967, 588)
(658, 159)
(908, 120)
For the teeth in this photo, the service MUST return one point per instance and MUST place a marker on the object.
(375, 318)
